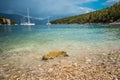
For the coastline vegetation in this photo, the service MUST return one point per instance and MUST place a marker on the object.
(107, 15)
(5, 21)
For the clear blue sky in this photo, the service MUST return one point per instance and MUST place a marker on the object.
(43, 8)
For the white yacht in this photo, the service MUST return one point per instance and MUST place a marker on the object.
(28, 20)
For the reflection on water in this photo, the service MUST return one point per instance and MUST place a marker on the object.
(26, 28)
(15, 28)
(29, 28)
(7, 28)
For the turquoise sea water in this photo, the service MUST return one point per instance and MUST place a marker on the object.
(72, 38)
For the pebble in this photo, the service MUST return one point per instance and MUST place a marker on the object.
(50, 70)
(88, 61)
(39, 65)
(75, 64)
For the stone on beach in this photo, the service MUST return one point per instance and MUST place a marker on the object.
(54, 54)
(50, 70)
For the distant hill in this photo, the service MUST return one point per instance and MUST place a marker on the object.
(18, 18)
(107, 15)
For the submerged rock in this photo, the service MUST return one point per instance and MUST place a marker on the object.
(54, 54)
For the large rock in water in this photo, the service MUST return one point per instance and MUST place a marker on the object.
(54, 54)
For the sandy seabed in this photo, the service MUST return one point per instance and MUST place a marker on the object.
(28, 66)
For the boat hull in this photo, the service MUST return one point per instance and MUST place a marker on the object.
(29, 24)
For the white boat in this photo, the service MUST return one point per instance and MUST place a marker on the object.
(28, 20)
(115, 24)
(26, 23)
(48, 23)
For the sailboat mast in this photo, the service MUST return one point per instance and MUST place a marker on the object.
(28, 19)
(48, 19)
(28, 15)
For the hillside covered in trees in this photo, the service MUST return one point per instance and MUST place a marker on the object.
(107, 15)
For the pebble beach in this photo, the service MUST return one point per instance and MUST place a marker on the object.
(85, 67)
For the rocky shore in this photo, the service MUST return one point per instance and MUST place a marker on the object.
(6, 21)
(87, 67)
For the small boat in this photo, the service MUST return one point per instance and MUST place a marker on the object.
(115, 24)
(48, 23)
(28, 20)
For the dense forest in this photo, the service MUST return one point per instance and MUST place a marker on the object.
(107, 15)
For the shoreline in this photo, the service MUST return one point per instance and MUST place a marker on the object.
(88, 66)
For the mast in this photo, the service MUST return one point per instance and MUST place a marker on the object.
(28, 19)
(48, 19)
(28, 15)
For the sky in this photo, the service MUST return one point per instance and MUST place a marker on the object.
(44, 8)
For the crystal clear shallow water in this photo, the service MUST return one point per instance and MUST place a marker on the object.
(74, 39)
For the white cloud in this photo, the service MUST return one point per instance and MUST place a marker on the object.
(65, 7)
(49, 7)
(110, 2)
